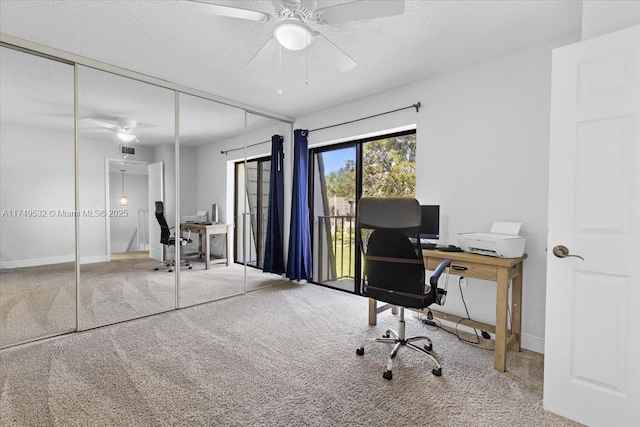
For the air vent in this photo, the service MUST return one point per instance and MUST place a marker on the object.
(127, 151)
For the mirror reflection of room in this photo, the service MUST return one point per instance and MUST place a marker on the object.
(37, 246)
(103, 256)
(126, 163)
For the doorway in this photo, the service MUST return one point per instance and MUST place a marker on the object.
(128, 207)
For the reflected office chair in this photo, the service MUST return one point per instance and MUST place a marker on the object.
(394, 272)
(168, 240)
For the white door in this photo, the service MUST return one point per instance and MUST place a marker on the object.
(592, 338)
(156, 194)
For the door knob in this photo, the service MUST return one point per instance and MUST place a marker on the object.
(563, 252)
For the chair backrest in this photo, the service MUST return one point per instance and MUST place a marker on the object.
(165, 231)
(388, 229)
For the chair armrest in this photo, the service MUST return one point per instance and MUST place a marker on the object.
(183, 240)
(433, 280)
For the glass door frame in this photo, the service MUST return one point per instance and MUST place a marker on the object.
(358, 144)
(259, 207)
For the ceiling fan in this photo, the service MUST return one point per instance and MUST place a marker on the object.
(292, 23)
(121, 127)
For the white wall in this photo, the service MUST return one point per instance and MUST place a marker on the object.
(482, 155)
(36, 173)
(602, 17)
(189, 181)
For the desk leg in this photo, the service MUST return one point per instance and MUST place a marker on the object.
(227, 238)
(373, 312)
(207, 250)
(502, 301)
(516, 308)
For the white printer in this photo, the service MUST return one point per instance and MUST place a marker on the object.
(503, 241)
(201, 216)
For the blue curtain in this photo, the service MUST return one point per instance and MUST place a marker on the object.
(273, 247)
(299, 259)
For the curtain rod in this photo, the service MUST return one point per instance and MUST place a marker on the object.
(242, 148)
(417, 106)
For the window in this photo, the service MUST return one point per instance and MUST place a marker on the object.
(340, 175)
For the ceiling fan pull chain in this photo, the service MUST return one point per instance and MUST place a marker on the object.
(280, 70)
(306, 71)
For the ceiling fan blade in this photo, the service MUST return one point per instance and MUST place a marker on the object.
(332, 53)
(232, 12)
(93, 122)
(359, 10)
(309, 4)
(268, 50)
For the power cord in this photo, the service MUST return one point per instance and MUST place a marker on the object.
(436, 324)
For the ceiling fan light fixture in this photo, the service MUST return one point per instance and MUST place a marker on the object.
(125, 136)
(293, 34)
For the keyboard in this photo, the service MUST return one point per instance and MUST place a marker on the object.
(449, 249)
(427, 245)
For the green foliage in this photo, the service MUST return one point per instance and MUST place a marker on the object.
(342, 183)
(389, 169)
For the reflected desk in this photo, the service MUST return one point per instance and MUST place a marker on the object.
(205, 232)
(503, 271)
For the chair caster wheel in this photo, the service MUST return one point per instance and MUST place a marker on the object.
(437, 372)
(428, 347)
(170, 271)
(156, 269)
(387, 375)
(360, 351)
(190, 268)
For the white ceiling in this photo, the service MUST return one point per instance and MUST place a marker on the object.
(167, 40)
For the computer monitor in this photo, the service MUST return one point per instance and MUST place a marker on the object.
(430, 222)
(214, 213)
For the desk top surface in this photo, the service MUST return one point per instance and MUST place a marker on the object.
(197, 225)
(470, 257)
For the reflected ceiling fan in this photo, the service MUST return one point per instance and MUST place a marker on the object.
(121, 127)
(292, 23)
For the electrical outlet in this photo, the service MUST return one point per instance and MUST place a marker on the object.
(463, 282)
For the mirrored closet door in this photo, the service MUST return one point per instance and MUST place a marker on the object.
(210, 272)
(127, 194)
(259, 176)
(37, 252)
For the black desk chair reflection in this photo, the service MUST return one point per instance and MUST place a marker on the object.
(394, 269)
(168, 240)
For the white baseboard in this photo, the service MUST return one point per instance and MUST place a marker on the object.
(94, 259)
(532, 343)
(35, 262)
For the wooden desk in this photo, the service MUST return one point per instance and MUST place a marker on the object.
(205, 232)
(500, 270)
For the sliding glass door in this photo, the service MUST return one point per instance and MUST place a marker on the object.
(254, 174)
(341, 174)
(333, 207)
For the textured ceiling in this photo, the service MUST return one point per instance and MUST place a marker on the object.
(167, 40)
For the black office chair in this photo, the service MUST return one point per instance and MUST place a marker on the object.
(168, 240)
(394, 272)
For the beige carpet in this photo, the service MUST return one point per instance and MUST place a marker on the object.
(41, 301)
(281, 356)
